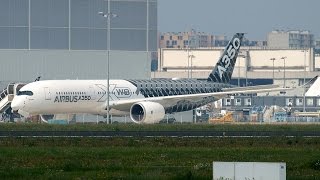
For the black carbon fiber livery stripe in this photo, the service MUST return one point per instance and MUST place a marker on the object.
(165, 87)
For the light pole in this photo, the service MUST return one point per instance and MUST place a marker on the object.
(273, 59)
(239, 68)
(304, 66)
(188, 51)
(284, 71)
(191, 57)
(245, 57)
(246, 66)
(192, 41)
(304, 81)
(239, 73)
(108, 16)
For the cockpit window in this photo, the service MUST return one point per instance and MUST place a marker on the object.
(28, 93)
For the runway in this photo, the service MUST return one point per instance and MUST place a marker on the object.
(39, 134)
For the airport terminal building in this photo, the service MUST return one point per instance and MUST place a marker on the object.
(67, 39)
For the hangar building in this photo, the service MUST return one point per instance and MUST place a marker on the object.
(67, 39)
(253, 66)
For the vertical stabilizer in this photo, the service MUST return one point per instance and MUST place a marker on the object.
(222, 72)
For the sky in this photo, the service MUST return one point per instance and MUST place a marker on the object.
(226, 17)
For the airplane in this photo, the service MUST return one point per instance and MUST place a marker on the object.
(146, 101)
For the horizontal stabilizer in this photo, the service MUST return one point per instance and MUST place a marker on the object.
(310, 82)
(314, 90)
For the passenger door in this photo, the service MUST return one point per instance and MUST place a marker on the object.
(47, 93)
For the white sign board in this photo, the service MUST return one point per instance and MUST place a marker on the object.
(249, 171)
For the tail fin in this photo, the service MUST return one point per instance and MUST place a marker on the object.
(222, 72)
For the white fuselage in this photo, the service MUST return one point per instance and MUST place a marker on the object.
(73, 96)
(90, 96)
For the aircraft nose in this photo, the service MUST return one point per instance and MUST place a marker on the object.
(16, 104)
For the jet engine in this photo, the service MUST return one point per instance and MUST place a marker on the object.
(147, 112)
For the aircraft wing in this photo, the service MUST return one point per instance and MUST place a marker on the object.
(124, 105)
(250, 88)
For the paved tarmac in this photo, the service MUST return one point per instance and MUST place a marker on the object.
(159, 134)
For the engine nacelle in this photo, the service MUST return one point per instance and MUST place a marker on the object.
(147, 112)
